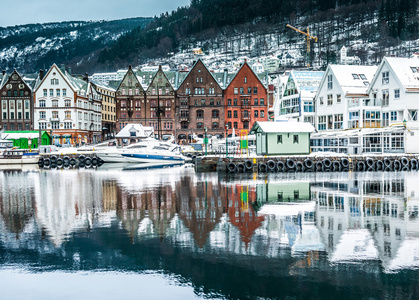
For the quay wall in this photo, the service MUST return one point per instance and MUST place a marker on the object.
(308, 163)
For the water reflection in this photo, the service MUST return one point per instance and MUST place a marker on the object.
(296, 228)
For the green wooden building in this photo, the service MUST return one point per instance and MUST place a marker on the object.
(27, 139)
(282, 138)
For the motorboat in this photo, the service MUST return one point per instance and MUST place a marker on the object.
(153, 151)
(18, 156)
(148, 150)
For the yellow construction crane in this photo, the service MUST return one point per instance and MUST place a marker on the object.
(308, 37)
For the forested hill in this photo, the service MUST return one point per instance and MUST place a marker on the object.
(28, 48)
(211, 23)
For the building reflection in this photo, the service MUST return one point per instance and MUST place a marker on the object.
(341, 216)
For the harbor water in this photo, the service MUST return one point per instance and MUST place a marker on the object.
(128, 233)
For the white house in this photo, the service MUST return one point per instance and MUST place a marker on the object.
(67, 107)
(348, 60)
(342, 98)
(298, 97)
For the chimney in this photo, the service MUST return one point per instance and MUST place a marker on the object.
(41, 74)
(69, 70)
(86, 77)
(63, 67)
(4, 72)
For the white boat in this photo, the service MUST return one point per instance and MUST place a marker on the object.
(146, 151)
(18, 156)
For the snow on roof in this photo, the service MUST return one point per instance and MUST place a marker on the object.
(307, 80)
(355, 245)
(354, 78)
(139, 130)
(285, 126)
(406, 69)
(19, 135)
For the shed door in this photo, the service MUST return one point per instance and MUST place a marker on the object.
(263, 142)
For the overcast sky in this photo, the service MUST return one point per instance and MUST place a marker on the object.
(42, 11)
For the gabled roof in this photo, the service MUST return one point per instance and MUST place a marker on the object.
(135, 75)
(405, 69)
(199, 60)
(347, 81)
(154, 78)
(6, 77)
(252, 72)
(272, 127)
(140, 131)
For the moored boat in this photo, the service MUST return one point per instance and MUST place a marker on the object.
(18, 156)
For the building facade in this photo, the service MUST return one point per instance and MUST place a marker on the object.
(245, 101)
(107, 97)
(67, 107)
(16, 103)
(199, 104)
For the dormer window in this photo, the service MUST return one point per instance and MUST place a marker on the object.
(414, 69)
(355, 76)
(363, 77)
(385, 78)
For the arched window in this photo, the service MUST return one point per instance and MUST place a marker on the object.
(199, 125)
(215, 113)
(215, 125)
(200, 114)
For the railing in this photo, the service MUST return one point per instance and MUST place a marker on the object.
(245, 118)
(54, 119)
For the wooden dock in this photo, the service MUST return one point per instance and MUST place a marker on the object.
(308, 163)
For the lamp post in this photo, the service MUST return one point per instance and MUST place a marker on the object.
(206, 140)
(226, 128)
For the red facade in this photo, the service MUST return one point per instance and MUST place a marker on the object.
(246, 101)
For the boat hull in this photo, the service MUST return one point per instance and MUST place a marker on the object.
(153, 158)
(111, 157)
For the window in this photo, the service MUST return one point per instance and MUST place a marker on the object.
(338, 123)
(212, 102)
(124, 103)
(42, 103)
(229, 125)
(330, 99)
(355, 76)
(262, 113)
(279, 139)
(55, 103)
(256, 114)
(215, 113)
(249, 90)
(397, 94)
(235, 114)
(295, 139)
(9, 93)
(45, 92)
(385, 78)
(246, 125)
(393, 116)
(236, 91)
(385, 97)
(67, 114)
(245, 79)
(256, 101)
(262, 101)
(321, 101)
(55, 114)
(202, 102)
(200, 114)
(255, 90)
(199, 125)
(64, 92)
(214, 125)
(235, 102)
(329, 82)
(58, 92)
(229, 102)
(51, 92)
(338, 98)
(241, 91)
(21, 93)
(235, 125)
(42, 115)
(15, 93)
(67, 103)
(229, 114)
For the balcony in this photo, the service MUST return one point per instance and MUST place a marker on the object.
(184, 118)
(245, 118)
(54, 119)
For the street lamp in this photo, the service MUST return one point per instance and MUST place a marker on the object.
(206, 140)
(226, 128)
